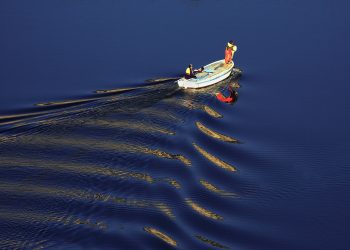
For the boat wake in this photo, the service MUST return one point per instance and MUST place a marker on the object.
(130, 168)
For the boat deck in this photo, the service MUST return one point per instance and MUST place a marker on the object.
(213, 69)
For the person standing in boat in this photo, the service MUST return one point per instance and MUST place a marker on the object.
(190, 73)
(231, 48)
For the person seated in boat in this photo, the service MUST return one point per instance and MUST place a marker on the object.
(231, 48)
(191, 73)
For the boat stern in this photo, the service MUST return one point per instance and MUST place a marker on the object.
(181, 82)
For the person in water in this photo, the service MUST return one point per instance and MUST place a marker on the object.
(231, 48)
(191, 73)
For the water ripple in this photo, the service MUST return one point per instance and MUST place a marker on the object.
(119, 165)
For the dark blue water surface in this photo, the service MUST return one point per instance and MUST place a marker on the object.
(134, 169)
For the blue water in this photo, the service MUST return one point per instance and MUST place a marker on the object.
(92, 175)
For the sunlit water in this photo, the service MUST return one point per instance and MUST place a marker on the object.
(150, 166)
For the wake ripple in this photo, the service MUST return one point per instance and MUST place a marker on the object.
(124, 171)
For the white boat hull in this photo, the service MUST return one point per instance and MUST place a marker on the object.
(213, 73)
